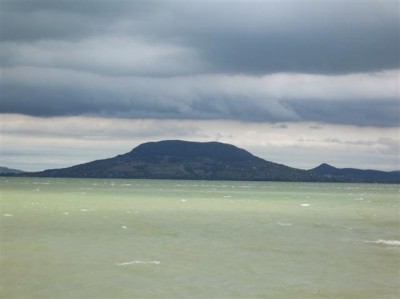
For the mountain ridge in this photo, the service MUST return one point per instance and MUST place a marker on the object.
(177, 159)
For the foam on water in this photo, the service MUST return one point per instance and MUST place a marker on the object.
(8, 215)
(256, 244)
(138, 262)
(285, 223)
(385, 242)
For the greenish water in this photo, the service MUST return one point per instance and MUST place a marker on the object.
(80, 239)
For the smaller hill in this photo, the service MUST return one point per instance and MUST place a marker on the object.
(330, 173)
(6, 170)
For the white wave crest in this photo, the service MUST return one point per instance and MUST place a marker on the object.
(285, 223)
(139, 262)
(386, 242)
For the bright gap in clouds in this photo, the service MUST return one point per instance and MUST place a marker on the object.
(32, 144)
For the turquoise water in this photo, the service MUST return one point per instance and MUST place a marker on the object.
(87, 238)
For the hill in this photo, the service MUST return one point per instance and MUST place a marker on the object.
(330, 173)
(6, 170)
(175, 159)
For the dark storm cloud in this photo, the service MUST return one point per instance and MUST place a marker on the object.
(254, 37)
(241, 60)
(26, 20)
(297, 36)
(358, 113)
(274, 98)
(351, 112)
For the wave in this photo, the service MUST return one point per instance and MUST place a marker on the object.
(139, 262)
(385, 242)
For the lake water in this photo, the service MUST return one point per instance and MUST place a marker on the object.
(89, 238)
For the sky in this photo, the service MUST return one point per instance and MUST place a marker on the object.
(297, 82)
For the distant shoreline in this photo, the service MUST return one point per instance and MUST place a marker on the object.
(210, 161)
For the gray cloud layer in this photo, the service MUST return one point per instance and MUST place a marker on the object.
(326, 61)
(255, 37)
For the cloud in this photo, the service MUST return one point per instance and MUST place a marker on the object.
(258, 74)
(303, 36)
(25, 20)
(357, 99)
(248, 37)
(266, 61)
(353, 112)
(280, 126)
(110, 56)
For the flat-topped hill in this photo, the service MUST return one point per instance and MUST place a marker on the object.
(176, 159)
